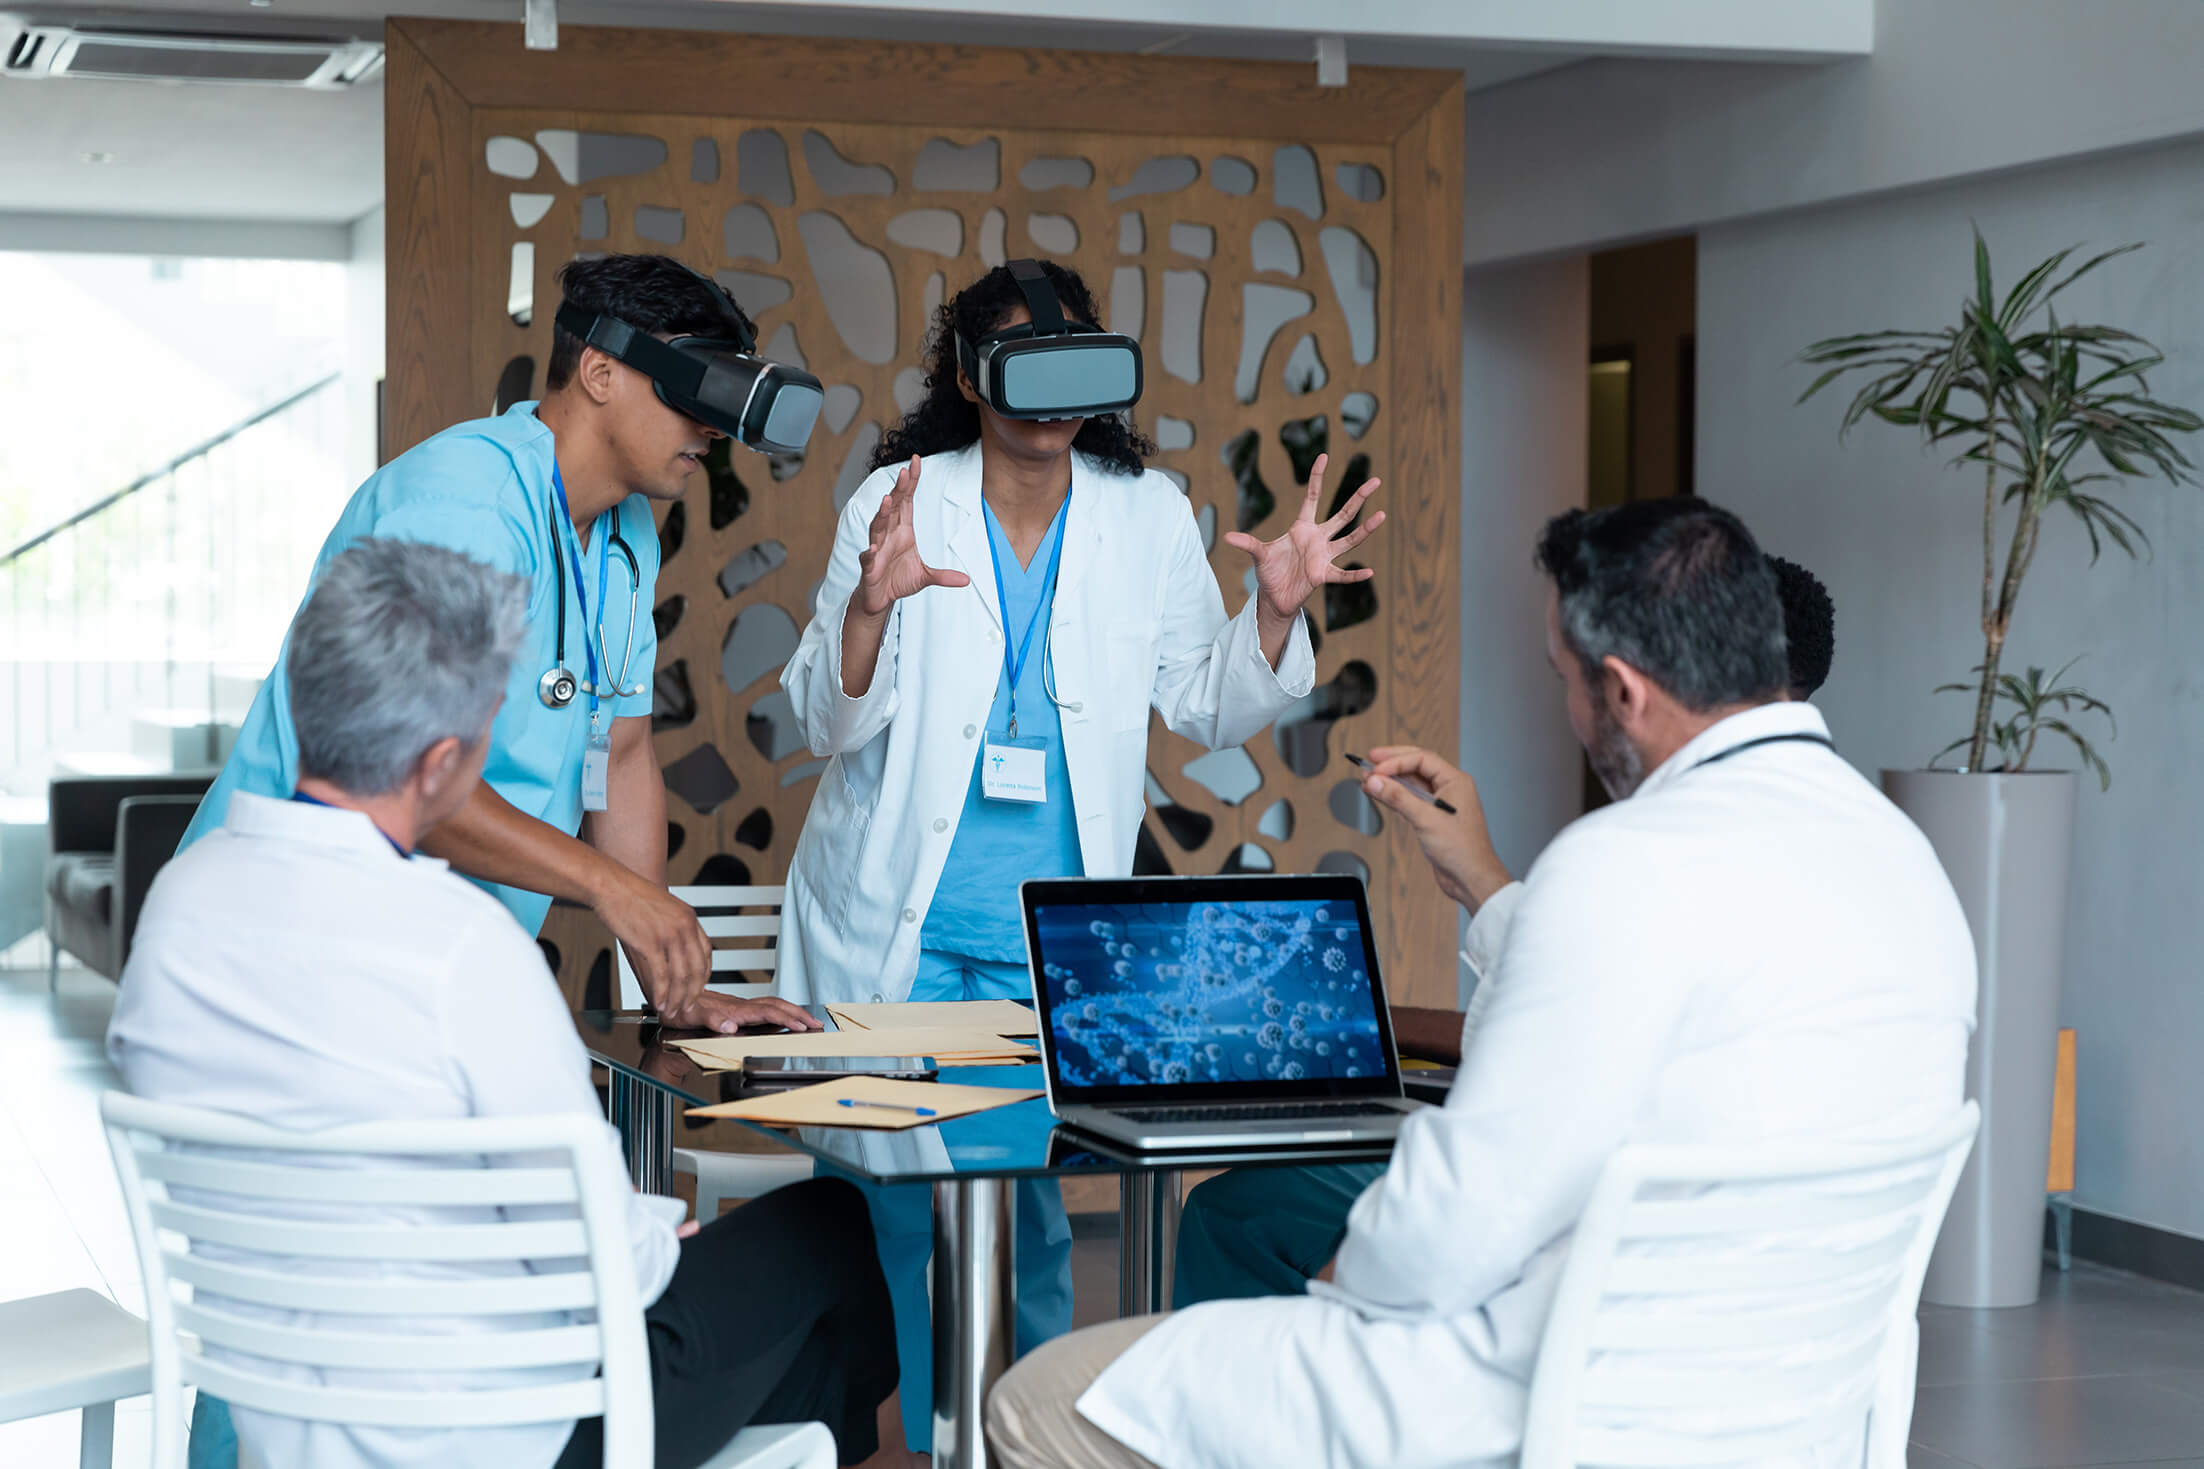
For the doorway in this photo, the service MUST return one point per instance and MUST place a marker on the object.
(1641, 398)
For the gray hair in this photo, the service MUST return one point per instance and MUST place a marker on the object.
(401, 645)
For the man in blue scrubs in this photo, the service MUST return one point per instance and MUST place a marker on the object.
(559, 493)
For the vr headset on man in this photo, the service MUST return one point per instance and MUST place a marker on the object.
(1051, 367)
(764, 405)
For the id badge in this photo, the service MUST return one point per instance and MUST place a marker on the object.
(1014, 770)
(596, 768)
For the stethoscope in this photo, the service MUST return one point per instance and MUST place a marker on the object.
(1798, 738)
(559, 686)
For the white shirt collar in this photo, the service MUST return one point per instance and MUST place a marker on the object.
(314, 826)
(1757, 723)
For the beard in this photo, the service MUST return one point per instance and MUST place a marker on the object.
(1617, 762)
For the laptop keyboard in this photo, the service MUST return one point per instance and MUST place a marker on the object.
(1265, 1112)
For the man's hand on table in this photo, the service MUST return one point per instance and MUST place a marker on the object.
(661, 936)
(727, 1014)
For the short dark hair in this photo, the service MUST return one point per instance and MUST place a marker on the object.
(653, 293)
(1677, 589)
(1809, 625)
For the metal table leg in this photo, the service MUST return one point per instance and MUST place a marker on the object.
(1147, 1240)
(975, 1299)
(644, 1115)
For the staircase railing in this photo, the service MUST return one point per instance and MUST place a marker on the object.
(146, 596)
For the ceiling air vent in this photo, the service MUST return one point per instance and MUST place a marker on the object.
(106, 53)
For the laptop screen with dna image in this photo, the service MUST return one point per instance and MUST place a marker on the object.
(1141, 994)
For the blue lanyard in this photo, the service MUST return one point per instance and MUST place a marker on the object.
(1013, 665)
(305, 800)
(604, 569)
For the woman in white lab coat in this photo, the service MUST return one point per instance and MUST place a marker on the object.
(1024, 587)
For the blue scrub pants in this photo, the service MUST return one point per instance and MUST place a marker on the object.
(1263, 1231)
(903, 1214)
(213, 1437)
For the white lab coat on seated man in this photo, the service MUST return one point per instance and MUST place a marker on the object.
(1753, 950)
(1138, 623)
(294, 969)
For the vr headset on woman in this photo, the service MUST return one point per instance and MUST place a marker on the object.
(1051, 367)
(768, 406)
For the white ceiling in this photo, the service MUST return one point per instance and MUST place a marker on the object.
(247, 153)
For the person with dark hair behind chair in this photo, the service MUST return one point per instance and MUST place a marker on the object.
(1266, 1231)
(1011, 593)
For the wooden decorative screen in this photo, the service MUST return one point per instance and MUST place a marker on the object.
(1263, 272)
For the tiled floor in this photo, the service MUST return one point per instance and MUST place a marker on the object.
(2106, 1369)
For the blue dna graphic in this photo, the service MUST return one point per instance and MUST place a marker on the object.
(1177, 992)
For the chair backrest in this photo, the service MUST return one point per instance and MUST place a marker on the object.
(1725, 1305)
(717, 910)
(204, 1187)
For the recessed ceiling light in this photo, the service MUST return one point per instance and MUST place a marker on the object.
(98, 157)
(260, 4)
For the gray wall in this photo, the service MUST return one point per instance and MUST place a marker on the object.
(1896, 536)
(1523, 456)
(1618, 150)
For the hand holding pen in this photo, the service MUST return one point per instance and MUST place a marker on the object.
(1430, 797)
(1439, 803)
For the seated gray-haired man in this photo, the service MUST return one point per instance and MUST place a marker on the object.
(303, 967)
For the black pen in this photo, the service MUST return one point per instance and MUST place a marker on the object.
(1417, 791)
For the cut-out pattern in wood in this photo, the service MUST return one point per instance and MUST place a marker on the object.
(1254, 284)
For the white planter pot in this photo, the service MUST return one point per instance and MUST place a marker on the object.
(2006, 842)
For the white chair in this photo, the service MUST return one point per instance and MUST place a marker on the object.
(723, 1176)
(186, 1189)
(72, 1349)
(1729, 1305)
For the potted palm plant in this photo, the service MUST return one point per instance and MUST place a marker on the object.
(2053, 417)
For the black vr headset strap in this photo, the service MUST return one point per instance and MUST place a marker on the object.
(676, 372)
(1040, 297)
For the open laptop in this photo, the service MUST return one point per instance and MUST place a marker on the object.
(1189, 1012)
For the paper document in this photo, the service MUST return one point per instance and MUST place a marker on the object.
(950, 1047)
(881, 1103)
(996, 1017)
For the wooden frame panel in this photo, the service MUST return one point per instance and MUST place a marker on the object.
(454, 85)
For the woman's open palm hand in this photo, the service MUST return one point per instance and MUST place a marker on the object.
(890, 568)
(1288, 570)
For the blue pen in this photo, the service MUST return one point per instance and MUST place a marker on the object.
(889, 1106)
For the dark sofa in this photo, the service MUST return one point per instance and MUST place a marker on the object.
(108, 837)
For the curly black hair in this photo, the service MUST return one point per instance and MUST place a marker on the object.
(1809, 624)
(945, 420)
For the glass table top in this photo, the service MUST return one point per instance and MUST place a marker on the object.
(1018, 1141)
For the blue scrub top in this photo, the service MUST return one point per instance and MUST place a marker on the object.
(1000, 844)
(484, 488)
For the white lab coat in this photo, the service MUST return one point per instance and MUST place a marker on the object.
(1138, 623)
(1756, 950)
(293, 969)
